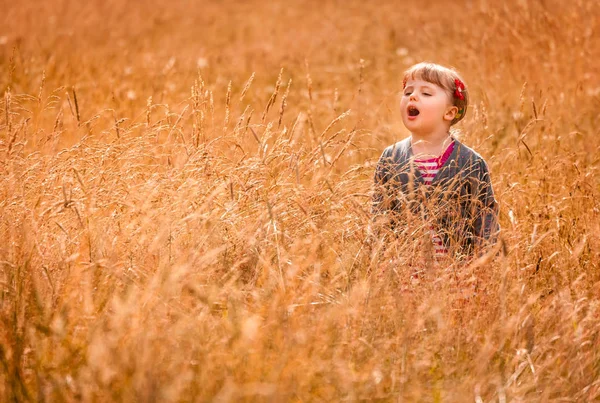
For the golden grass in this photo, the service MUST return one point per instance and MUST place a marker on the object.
(185, 203)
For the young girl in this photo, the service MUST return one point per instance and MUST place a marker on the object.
(433, 176)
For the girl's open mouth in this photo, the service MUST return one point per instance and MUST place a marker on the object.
(413, 111)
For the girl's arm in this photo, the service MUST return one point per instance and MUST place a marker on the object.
(485, 223)
(382, 201)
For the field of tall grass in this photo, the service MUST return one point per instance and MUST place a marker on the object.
(185, 195)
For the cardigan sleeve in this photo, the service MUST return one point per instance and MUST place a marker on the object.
(382, 200)
(485, 223)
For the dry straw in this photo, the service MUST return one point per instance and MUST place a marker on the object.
(196, 252)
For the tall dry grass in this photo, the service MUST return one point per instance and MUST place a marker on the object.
(185, 203)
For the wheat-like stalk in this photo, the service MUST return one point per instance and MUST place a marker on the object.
(183, 249)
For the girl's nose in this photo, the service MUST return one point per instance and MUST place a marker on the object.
(413, 97)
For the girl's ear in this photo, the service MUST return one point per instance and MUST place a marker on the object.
(450, 113)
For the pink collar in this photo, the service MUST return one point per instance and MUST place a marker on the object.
(441, 160)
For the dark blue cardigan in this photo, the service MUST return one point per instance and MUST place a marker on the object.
(460, 200)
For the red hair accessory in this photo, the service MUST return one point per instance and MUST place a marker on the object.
(460, 87)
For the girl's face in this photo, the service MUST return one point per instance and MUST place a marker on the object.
(426, 108)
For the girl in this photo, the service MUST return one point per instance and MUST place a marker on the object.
(431, 174)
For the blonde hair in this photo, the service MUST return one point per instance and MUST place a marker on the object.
(445, 78)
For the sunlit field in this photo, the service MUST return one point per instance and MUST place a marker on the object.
(185, 203)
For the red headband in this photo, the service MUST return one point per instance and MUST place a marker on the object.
(460, 87)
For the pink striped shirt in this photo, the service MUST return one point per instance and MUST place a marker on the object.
(429, 168)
